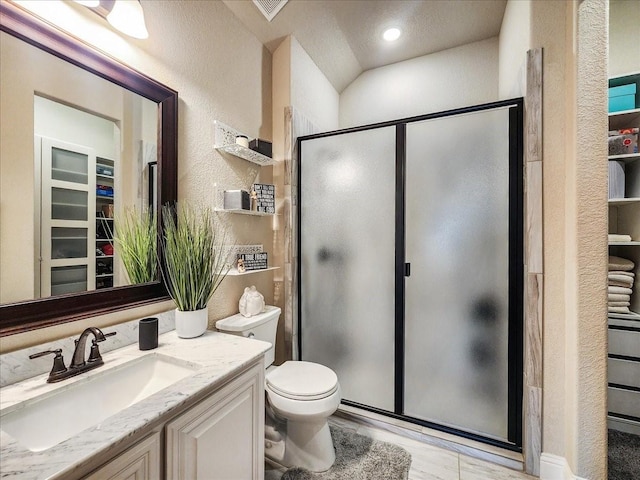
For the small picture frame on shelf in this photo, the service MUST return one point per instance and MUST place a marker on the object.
(264, 197)
(251, 261)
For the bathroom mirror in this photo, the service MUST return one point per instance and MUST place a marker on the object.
(37, 151)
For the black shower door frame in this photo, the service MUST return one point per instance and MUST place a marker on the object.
(402, 268)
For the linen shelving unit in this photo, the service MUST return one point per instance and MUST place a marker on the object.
(624, 329)
(105, 177)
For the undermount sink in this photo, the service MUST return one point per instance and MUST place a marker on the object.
(40, 423)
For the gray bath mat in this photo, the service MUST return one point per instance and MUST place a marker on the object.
(359, 458)
(624, 456)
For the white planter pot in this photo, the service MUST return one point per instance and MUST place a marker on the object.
(191, 324)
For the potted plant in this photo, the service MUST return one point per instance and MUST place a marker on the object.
(136, 237)
(195, 263)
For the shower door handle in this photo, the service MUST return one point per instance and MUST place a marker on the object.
(407, 269)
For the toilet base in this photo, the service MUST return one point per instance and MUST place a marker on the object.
(309, 445)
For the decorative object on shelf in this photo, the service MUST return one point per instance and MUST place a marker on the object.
(620, 284)
(107, 210)
(104, 190)
(236, 200)
(265, 197)
(225, 141)
(136, 236)
(240, 266)
(616, 179)
(261, 146)
(622, 98)
(104, 170)
(148, 333)
(242, 140)
(624, 141)
(251, 302)
(195, 264)
(254, 201)
(253, 261)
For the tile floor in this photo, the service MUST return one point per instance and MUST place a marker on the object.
(427, 461)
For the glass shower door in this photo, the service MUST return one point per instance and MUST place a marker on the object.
(347, 260)
(457, 295)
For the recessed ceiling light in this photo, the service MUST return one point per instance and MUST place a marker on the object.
(391, 34)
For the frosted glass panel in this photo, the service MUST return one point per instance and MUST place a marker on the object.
(69, 204)
(68, 242)
(347, 259)
(68, 279)
(69, 166)
(456, 317)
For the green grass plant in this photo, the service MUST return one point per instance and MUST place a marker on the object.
(136, 237)
(195, 255)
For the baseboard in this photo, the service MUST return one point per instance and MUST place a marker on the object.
(554, 467)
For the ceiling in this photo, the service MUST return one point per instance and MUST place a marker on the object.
(343, 37)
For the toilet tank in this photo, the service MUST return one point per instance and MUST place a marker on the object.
(261, 327)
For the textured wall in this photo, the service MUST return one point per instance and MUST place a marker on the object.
(220, 71)
(589, 236)
(458, 77)
(514, 41)
(311, 93)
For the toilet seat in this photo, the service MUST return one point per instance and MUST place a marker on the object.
(304, 381)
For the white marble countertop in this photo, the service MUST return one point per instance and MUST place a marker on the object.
(219, 356)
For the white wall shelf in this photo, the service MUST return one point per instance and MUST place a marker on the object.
(235, 273)
(225, 138)
(623, 201)
(624, 244)
(624, 119)
(630, 157)
(624, 316)
(244, 212)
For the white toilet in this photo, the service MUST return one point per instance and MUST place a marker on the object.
(301, 394)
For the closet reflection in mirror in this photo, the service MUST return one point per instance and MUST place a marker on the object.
(76, 151)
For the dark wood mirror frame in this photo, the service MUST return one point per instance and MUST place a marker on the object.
(29, 315)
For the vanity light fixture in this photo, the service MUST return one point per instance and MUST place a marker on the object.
(88, 3)
(392, 34)
(128, 17)
(125, 16)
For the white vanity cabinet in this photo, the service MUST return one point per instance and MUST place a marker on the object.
(222, 437)
(219, 437)
(140, 462)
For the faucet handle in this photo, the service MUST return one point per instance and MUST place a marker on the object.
(94, 353)
(56, 352)
(58, 368)
(104, 336)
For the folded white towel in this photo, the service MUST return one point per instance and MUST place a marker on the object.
(621, 272)
(615, 283)
(619, 304)
(619, 263)
(620, 278)
(622, 290)
(619, 310)
(618, 297)
(615, 237)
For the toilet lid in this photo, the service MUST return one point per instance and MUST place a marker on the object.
(302, 380)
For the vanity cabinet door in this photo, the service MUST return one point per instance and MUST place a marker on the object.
(140, 462)
(221, 437)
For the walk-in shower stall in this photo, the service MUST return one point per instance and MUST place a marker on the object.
(410, 267)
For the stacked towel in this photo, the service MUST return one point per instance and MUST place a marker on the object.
(621, 280)
(614, 237)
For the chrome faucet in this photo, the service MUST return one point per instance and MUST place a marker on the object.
(78, 362)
